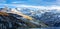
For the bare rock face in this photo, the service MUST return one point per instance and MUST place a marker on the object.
(14, 21)
(3, 13)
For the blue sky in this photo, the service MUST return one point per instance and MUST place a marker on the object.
(43, 4)
(29, 2)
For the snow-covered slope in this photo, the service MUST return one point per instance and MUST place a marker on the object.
(51, 16)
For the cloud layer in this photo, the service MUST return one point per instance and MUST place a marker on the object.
(30, 6)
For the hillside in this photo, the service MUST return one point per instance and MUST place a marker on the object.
(14, 21)
(29, 18)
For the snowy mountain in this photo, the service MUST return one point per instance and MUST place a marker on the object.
(48, 16)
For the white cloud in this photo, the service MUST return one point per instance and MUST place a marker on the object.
(30, 6)
(15, 2)
(44, 7)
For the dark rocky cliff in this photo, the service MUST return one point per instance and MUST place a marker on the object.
(14, 21)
